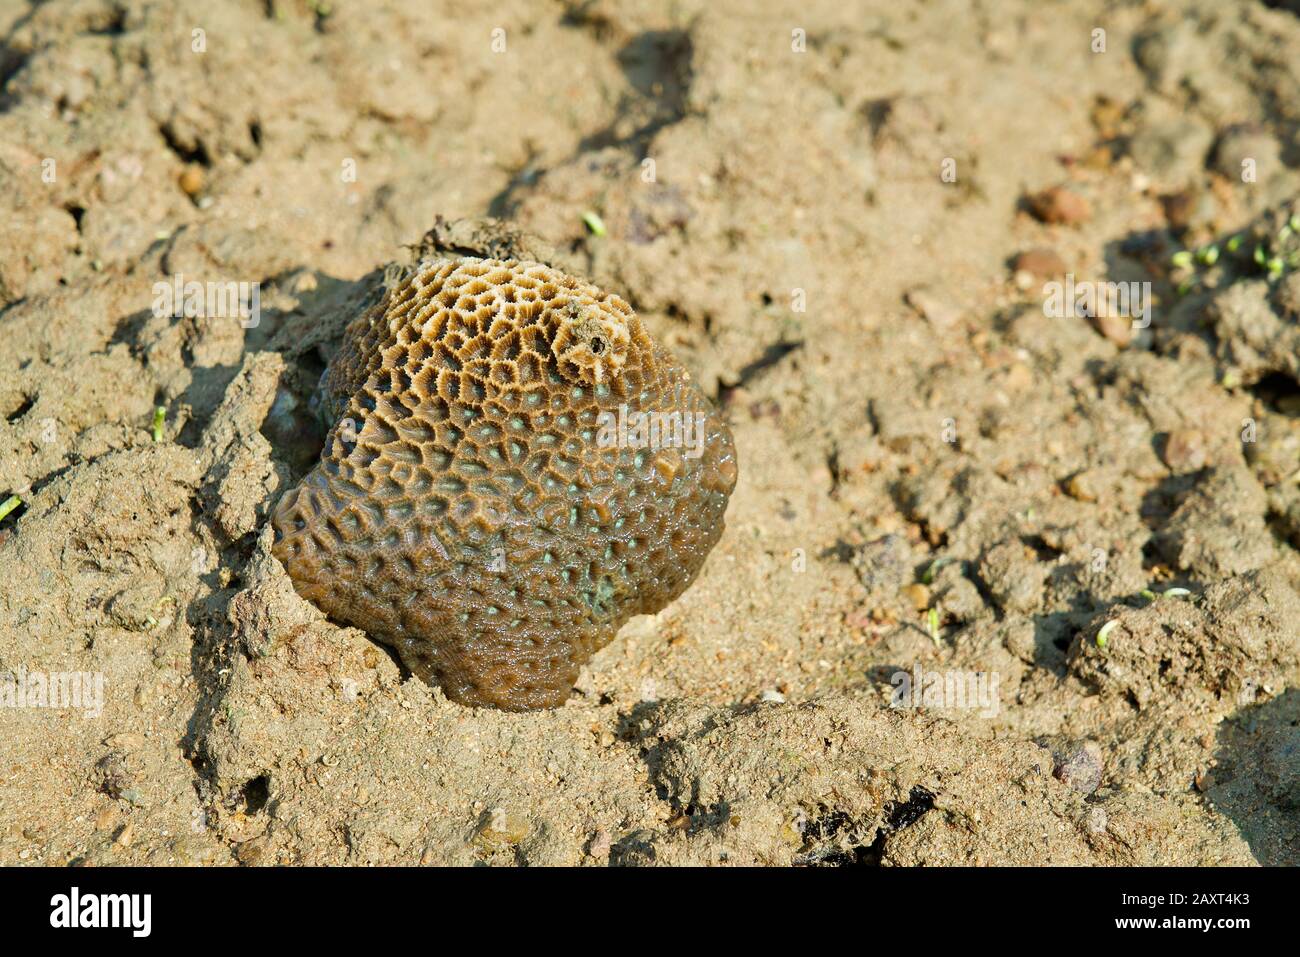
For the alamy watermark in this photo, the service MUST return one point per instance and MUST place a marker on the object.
(216, 300)
(54, 690)
(652, 430)
(1089, 299)
(965, 690)
(133, 912)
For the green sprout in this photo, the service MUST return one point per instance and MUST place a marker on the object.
(159, 414)
(594, 222)
(1269, 255)
(1150, 595)
(932, 623)
(9, 504)
(1103, 634)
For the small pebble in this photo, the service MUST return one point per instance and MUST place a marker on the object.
(1118, 329)
(1059, 205)
(1040, 262)
(1080, 768)
(191, 180)
(1184, 450)
(919, 595)
(250, 853)
(499, 828)
(938, 312)
(1082, 487)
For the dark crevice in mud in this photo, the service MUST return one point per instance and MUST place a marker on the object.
(834, 839)
(637, 726)
(585, 15)
(113, 24)
(1279, 392)
(213, 649)
(772, 354)
(204, 394)
(1282, 529)
(688, 810)
(1255, 778)
(1042, 551)
(635, 850)
(214, 644)
(11, 61)
(198, 153)
(1054, 634)
(637, 142)
(904, 814)
(898, 816)
(1160, 502)
(255, 794)
(504, 203)
(44, 480)
(77, 212)
(23, 407)
(1290, 6)
(127, 332)
(876, 113)
(842, 551)
(986, 593)
(657, 65)
(836, 468)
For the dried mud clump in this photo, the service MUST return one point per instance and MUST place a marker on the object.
(513, 470)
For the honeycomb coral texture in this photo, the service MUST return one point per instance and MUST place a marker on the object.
(466, 510)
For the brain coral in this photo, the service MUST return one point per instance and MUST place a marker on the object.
(513, 470)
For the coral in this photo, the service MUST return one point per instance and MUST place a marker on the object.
(513, 469)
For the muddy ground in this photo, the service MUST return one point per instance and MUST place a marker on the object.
(842, 217)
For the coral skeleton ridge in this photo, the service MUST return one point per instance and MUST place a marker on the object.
(467, 509)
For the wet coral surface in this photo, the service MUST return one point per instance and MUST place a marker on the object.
(477, 506)
(859, 229)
